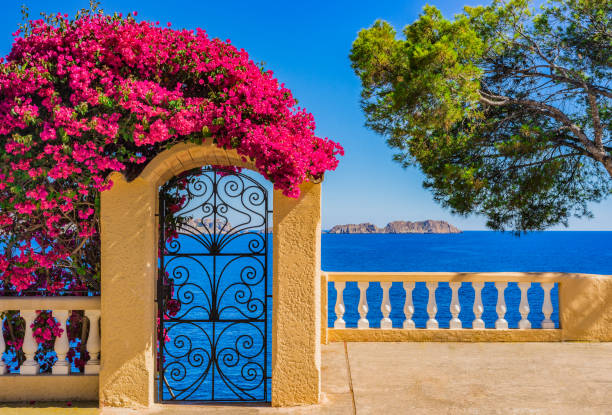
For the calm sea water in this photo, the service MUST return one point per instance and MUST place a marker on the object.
(586, 252)
(475, 251)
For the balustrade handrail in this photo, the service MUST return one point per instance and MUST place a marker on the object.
(455, 280)
(579, 302)
(350, 276)
(50, 303)
(61, 307)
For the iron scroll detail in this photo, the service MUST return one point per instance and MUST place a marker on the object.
(213, 288)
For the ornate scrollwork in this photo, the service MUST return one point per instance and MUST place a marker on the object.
(213, 280)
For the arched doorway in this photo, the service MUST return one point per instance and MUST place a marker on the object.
(130, 254)
(214, 291)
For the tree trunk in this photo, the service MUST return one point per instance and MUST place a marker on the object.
(607, 162)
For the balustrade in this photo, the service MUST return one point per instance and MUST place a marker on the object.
(364, 280)
(524, 306)
(339, 309)
(455, 307)
(61, 308)
(408, 305)
(93, 342)
(29, 346)
(478, 308)
(385, 307)
(363, 322)
(501, 323)
(432, 307)
(3, 368)
(62, 345)
(547, 307)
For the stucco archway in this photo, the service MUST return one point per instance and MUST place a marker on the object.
(129, 266)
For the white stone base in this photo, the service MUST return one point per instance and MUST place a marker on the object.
(524, 324)
(478, 324)
(409, 324)
(455, 323)
(363, 324)
(501, 325)
(386, 323)
(59, 369)
(432, 324)
(92, 369)
(3, 368)
(29, 369)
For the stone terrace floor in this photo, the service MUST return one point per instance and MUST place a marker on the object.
(434, 378)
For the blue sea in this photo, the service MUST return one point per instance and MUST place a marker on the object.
(584, 252)
(470, 251)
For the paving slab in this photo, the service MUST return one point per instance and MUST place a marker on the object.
(481, 378)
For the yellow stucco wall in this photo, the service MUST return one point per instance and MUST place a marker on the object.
(129, 269)
(443, 335)
(129, 266)
(17, 388)
(585, 308)
(296, 325)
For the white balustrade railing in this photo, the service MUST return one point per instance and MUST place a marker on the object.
(478, 308)
(547, 307)
(408, 305)
(339, 309)
(432, 307)
(501, 323)
(61, 308)
(455, 307)
(524, 306)
(363, 322)
(409, 280)
(385, 306)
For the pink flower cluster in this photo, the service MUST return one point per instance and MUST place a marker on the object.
(85, 97)
(45, 328)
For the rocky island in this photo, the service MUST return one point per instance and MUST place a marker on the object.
(221, 225)
(398, 226)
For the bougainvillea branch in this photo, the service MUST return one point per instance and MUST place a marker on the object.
(83, 97)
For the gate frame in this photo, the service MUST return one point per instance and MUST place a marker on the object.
(167, 255)
(129, 240)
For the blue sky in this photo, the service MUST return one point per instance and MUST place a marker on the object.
(306, 44)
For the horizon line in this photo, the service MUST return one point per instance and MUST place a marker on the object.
(474, 230)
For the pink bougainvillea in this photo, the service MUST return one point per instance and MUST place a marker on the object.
(83, 97)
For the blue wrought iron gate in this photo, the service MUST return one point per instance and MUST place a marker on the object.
(212, 290)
